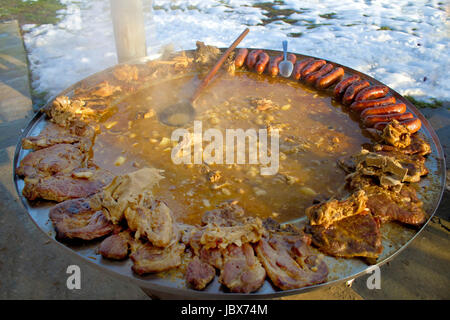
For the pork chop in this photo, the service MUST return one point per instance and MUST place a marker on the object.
(60, 187)
(75, 219)
(241, 271)
(199, 273)
(289, 260)
(356, 236)
(150, 259)
(116, 246)
(60, 158)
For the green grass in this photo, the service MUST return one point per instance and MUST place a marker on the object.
(36, 12)
(331, 15)
(422, 104)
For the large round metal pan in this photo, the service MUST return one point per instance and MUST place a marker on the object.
(395, 237)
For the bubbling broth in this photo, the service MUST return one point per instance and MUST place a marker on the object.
(313, 134)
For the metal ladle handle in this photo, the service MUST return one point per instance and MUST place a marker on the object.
(219, 63)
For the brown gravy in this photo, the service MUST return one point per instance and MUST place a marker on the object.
(315, 133)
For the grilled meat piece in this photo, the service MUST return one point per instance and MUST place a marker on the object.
(152, 220)
(199, 273)
(227, 225)
(415, 164)
(76, 219)
(403, 206)
(149, 259)
(101, 90)
(80, 183)
(124, 190)
(396, 134)
(356, 236)
(241, 271)
(116, 246)
(288, 258)
(60, 158)
(327, 213)
(54, 134)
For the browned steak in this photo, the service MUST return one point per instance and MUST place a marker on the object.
(63, 187)
(356, 236)
(199, 273)
(60, 158)
(289, 261)
(75, 219)
(241, 272)
(403, 207)
(116, 246)
(149, 259)
(54, 134)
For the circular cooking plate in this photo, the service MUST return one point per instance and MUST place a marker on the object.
(395, 236)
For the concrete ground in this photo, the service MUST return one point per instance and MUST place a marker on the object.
(32, 267)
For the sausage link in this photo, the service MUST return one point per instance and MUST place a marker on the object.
(311, 67)
(344, 84)
(370, 121)
(292, 58)
(313, 76)
(361, 105)
(240, 57)
(263, 60)
(328, 79)
(353, 90)
(273, 65)
(299, 67)
(372, 92)
(252, 57)
(413, 125)
(387, 109)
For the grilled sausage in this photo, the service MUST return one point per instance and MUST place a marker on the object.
(263, 60)
(240, 57)
(372, 92)
(299, 67)
(361, 105)
(273, 65)
(275, 61)
(252, 57)
(311, 67)
(328, 79)
(413, 125)
(313, 76)
(387, 109)
(370, 121)
(344, 84)
(353, 89)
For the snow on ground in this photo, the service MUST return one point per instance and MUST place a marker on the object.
(402, 43)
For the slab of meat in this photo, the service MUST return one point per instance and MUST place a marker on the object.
(60, 158)
(326, 213)
(151, 219)
(199, 274)
(116, 246)
(76, 219)
(149, 259)
(241, 271)
(415, 164)
(356, 236)
(125, 190)
(289, 260)
(403, 206)
(60, 187)
(53, 134)
(227, 225)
